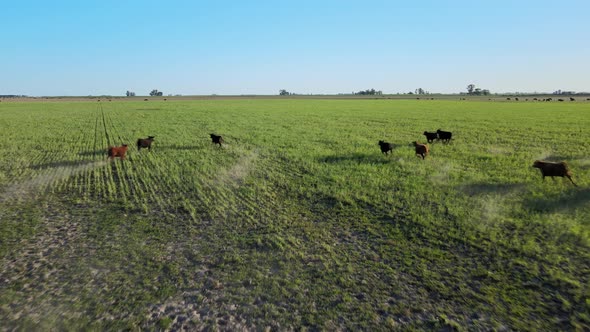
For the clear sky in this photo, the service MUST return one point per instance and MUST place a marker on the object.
(258, 47)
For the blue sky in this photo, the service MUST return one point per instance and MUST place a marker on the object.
(258, 47)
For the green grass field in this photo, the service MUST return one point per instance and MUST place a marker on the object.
(299, 221)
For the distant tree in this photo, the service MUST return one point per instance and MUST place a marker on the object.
(420, 91)
(560, 92)
(470, 88)
(369, 92)
(283, 92)
(485, 92)
(130, 94)
(155, 92)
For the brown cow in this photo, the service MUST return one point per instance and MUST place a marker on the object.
(553, 169)
(421, 149)
(117, 151)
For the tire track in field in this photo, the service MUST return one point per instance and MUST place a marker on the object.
(95, 148)
(90, 151)
(104, 125)
(111, 177)
(82, 143)
(115, 130)
(86, 183)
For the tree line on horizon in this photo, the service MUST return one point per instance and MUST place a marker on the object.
(471, 90)
(153, 93)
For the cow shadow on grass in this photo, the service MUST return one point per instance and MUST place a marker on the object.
(62, 163)
(178, 147)
(568, 200)
(93, 153)
(565, 201)
(475, 189)
(556, 158)
(155, 148)
(358, 158)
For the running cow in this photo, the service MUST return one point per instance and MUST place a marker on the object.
(554, 169)
(117, 151)
(145, 143)
(216, 139)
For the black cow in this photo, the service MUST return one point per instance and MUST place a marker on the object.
(145, 143)
(444, 136)
(385, 147)
(430, 136)
(216, 139)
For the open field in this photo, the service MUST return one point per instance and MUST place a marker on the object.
(298, 221)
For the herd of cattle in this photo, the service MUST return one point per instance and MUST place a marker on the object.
(547, 168)
(421, 149)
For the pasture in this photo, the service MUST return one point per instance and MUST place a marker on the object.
(298, 221)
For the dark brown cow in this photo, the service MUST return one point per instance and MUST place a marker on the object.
(216, 139)
(444, 136)
(145, 143)
(553, 169)
(421, 149)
